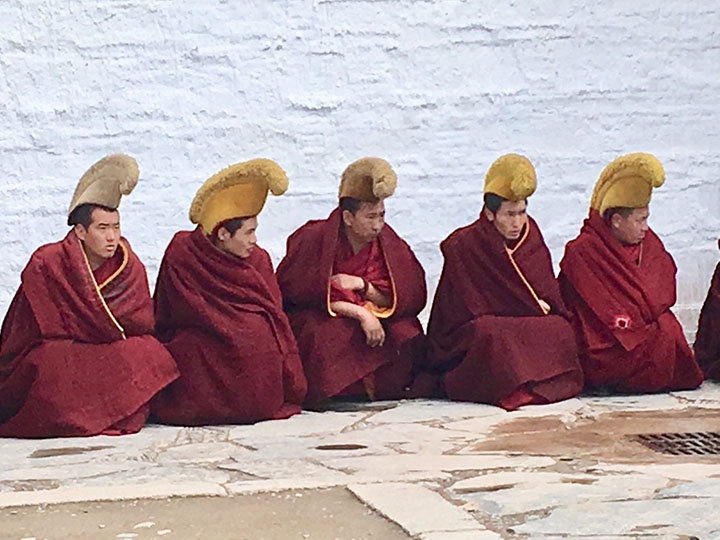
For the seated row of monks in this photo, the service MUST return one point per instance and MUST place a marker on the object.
(85, 350)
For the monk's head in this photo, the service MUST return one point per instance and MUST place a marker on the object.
(509, 217)
(363, 221)
(236, 236)
(628, 225)
(98, 228)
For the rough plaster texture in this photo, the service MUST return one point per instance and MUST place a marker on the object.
(439, 88)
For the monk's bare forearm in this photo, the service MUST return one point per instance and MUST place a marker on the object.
(348, 309)
(376, 297)
(374, 332)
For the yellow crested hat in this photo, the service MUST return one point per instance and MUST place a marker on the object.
(627, 181)
(236, 191)
(369, 179)
(512, 177)
(106, 182)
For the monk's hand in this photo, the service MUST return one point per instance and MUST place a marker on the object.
(349, 282)
(374, 332)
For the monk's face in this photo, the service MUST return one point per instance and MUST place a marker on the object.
(367, 222)
(242, 241)
(102, 236)
(630, 230)
(509, 219)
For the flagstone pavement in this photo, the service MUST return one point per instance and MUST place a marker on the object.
(441, 470)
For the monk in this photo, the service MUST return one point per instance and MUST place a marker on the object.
(707, 339)
(77, 357)
(499, 330)
(219, 310)
(619, 282)
(353, 289)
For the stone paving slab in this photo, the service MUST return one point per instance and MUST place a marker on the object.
(419, 510)
(548, 471)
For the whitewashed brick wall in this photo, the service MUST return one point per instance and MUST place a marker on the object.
(439, 88)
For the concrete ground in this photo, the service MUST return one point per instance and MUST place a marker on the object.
(436, 469)
(288, 515)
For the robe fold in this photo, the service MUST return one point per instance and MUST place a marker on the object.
(620, 297)
(491, 334)
(77, 357)
(221, 318)
(333, 349)
(707, 339)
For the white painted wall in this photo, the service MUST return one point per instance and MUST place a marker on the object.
(439, 88)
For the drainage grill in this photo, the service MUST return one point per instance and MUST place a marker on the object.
(700, 443)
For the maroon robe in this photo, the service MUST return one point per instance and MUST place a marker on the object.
(333, 348)
(221, 318)
(488, 332)
(77, 356)
(620, 297)
(707, 339)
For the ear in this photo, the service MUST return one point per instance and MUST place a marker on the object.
(80, 231)
(347, 217)
(488, 214)
(615, 220)
(223, 234)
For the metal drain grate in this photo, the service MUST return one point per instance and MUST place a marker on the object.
(700, 443)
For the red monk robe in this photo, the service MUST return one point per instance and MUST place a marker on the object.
(221, 318)
(333, 348)
(490, 329)
(707, 339)
(76, 354)
(620, 296)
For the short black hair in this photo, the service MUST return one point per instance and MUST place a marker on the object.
(624, 211)
(230, 225)
(493, 201)
(351, 204)
(82, 215)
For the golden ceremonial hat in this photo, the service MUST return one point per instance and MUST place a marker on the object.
(512, 177)
(106, 182)
(368, 179)
(627, 181)
(237, 191)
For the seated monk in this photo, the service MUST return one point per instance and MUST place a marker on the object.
(707, 339)
(219, 311)
(618, 281)
(77, 357)
(353, 289)
(499, 330)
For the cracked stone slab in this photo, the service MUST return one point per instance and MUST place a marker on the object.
(383, 466)
(417, 509)
(710, 398)
(327, 480)
(678, 516)
(461, 535)
(111, 493)
(282, 468)
(709, 487)
(304, 424)
(677, 471)
(513, 493)
(433, 412)
(509, 479)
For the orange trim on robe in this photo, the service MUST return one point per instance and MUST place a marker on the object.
(333, 349)
(498, 330)
(369, 263)
(65, 369)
